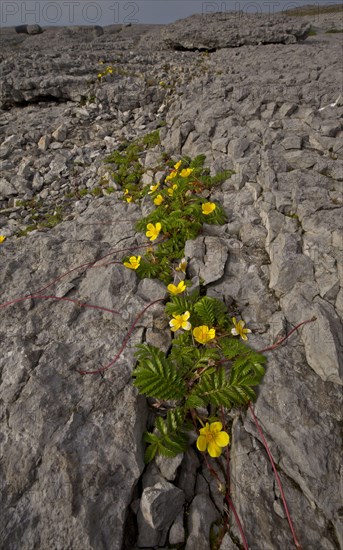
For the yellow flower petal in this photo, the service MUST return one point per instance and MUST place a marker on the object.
(208, 208)
(2, 238)
(182, 266)
(213, 439)
(153, 230)
(222, 439)
(172, 175)
(203, 334)
(133, 262)
(175, 324)
(206, 429)
(181, 287)
(177, 165)
(158, 200)
(214, 450)
(216, 427)
(153, 188)
(201, 443)
(239, 330)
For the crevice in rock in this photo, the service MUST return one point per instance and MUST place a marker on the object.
(34, 101)
(180, 48)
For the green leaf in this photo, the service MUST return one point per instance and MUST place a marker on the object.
(170, 439)
(179, 304)
(205, 310)
(156, 376)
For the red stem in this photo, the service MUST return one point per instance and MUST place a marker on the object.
(124, 344)
(88, 265)
(231, 505)
(296, 542)
(238, 521)
(279, 342)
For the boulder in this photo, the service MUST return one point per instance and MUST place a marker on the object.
(214, 31)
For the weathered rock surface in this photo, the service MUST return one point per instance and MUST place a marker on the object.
(233, 29)
(72, 472)
(29, 29)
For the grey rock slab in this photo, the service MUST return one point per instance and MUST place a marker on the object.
(177, 531)
(288, 264)
(186, 478)
(322, 338)
(169, 466)
(208, 257)
(151, 290)
(6, 189)
(232, 29)
(60, 134)
(34, 29)
(72, 450)
(227, 543)
(253, 484)
(43, 143)
(202, 514)
(161, 504)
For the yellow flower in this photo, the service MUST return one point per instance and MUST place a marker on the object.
(208, 207)
(158, 200)
(204, 334)
(177, 165)
(133, 262)
(99, 75)
(180, 321)
(129, 199)
(182, 266)
(239, 329)
(153, 188)
(181, 287)
(126, 192)
(172, 175)
(186, 172)
(2, 238)
(171, 191)
(213, 439)
(109, 70)
(153, 231)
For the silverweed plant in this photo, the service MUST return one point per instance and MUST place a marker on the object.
(207, 369)
(179, 215)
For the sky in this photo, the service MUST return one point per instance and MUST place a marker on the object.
(108, 12)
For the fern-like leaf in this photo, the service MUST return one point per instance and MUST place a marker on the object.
(232, 347)
(169, 438)
(178, 305)
(157, 376)
(205, 310)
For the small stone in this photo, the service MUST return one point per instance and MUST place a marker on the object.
(227, 543)
(60, 134)
(44, 143)
(151, 290)
(6, 189)
(177, 531)
(34, 29)
(287, 109)
(202, 514)
(208, 257)
(161, 504)
(169, 466)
